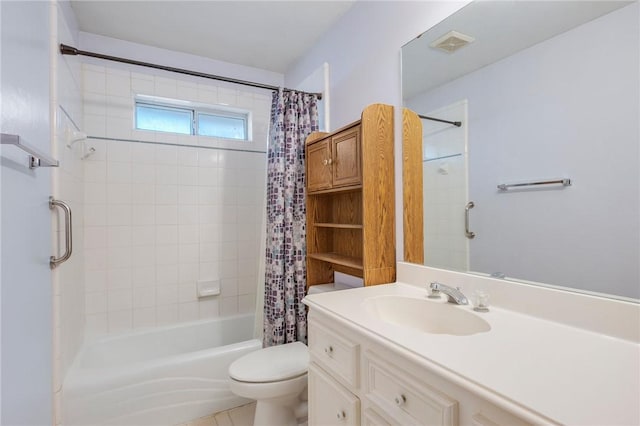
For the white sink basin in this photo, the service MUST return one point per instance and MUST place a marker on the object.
(425, 315)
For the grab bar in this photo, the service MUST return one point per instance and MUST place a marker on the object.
(468, 233)
(55, 261)
(36, 158)
(563, 182)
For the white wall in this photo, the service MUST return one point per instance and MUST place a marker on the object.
(26, 333)
(546, 112)
(160, 218)
(363, 53)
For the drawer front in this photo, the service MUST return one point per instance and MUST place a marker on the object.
(372, 418)
(329, 402)
(336, 353)
(402, 396)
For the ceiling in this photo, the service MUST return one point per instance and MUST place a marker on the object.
(270, 35)
(500, 28)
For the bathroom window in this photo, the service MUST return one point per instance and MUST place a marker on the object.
(191, 120)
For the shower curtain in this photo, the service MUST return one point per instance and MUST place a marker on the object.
(294, 115)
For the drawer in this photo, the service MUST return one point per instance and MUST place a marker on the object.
(404, 397)
(329, 402)
(372, 418)
(335, 352)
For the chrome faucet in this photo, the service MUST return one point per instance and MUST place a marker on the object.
(454, 295)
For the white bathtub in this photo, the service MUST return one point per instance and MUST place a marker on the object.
(162, 376)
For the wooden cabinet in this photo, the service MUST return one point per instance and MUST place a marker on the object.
(354, 379)
(351, 200)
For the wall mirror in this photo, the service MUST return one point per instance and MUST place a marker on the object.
(532, 174)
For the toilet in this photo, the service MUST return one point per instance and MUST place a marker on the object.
(276, 378)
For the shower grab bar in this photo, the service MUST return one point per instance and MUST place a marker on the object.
(36, 158)
(563, 182)
(55, 261)
(470, 235)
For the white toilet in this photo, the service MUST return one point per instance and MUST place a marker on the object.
(276, 378)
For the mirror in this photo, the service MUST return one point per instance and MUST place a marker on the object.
(547, 98)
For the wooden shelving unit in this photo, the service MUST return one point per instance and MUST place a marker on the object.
(350, 200)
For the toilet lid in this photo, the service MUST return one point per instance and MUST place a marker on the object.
(271, 364)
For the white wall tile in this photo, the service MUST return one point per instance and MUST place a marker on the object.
(120, 321)
(95, 303)
(167, 234)
(144, 297)
(118, 84)
(187, 292)
(166, 314)
(158, 218)
(119, 278)
(143, 235)
(119, 299)
(144, 317)
(94, 82)
(209, 308)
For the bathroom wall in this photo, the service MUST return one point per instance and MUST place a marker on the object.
(587, 234)
(365, 69)
(68, 185)
(159, 218)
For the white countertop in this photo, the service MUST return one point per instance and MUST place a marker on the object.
(567, 374)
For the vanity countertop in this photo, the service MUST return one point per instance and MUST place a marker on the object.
(555, 371)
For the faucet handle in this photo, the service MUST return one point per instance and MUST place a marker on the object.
(434, 290)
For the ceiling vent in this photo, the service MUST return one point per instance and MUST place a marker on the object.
(452, 41)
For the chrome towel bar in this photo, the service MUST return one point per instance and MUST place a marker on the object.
(563, 182)
(36, 158)
(68, 238)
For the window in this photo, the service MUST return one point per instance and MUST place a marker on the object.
(191, 120)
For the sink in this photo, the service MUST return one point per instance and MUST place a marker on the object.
(425, 315)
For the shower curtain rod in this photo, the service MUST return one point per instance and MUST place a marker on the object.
(455, 123)
(69, 50)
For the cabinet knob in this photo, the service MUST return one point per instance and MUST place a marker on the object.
(328, 350)
(400, 400)
(325, 161)
(341, 415)
(330, 161)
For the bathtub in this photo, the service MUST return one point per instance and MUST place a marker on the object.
(161, 376)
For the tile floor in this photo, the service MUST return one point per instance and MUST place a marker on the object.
(239, 416)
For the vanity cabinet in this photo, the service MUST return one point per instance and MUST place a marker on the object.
(357, 379)
(351, 200)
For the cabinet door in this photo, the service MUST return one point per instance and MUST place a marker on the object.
(346, 158)
(318, 167)
(330, 404)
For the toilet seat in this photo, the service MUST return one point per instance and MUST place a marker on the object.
(273, 364)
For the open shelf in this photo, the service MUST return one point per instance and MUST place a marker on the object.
(337, 225)
(338, 259)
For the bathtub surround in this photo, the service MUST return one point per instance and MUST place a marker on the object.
(293, 117)
(159, 218)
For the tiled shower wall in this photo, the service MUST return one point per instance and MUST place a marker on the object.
(159, 218)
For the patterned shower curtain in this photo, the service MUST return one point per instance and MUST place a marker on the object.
(294, 115)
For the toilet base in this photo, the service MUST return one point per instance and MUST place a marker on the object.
(281, 409)
(278, 411)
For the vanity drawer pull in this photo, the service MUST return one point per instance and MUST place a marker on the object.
(341, 415)
(328, 350)
(400, 400)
